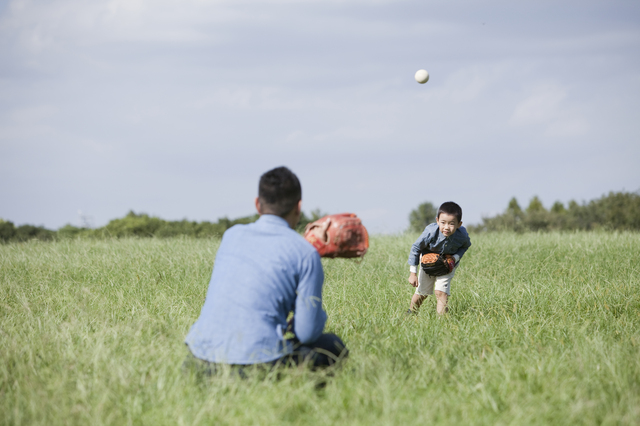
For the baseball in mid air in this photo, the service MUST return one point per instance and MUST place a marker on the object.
(422, 76)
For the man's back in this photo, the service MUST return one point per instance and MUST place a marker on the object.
(262, 271)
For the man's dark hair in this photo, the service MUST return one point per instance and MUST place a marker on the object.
(279, 191)
(450, 208)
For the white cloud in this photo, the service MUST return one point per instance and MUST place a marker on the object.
(39, 26)
(568, 127)
(549, 105)
(542, 106)
(24, 123)
(101, 148)
(32, 114)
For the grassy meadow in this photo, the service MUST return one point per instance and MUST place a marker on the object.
(542, 329)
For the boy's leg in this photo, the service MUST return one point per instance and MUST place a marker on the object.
(441, 307)
(443, 290)
(425, 288)
(416, 301)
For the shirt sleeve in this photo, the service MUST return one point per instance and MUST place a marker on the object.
(417, 247)
(463, 249)
(309, 317)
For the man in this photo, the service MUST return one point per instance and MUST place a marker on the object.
(262, 272)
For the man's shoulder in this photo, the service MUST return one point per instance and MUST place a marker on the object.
(302, 245)
(234, 230)
(280, 236)
(294, 248)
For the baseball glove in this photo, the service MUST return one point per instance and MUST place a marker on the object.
(435, 264)
(338, 235)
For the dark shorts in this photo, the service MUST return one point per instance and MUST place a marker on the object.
(324, 352)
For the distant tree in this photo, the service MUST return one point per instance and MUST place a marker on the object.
(420, 217)
(513, 208)
(614, 211)
(143, 225)
(245, 220)
(537, 218)
(7, 231)
(510, 220)
(31, 232)
(579, 217)
(558, 217)
(317, 214)
(138, 225)
(535, 206)
(617, 210)
(558, 208)
(70, 231)
(305, 220)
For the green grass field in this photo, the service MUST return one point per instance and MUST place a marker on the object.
(542, 329)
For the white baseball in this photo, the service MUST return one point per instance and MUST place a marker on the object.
(422, 76)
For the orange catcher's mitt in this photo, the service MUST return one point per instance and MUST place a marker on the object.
(435, 264)
(338, 235)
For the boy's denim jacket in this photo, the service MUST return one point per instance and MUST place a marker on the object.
(432, 241)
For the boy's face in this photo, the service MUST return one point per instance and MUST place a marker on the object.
(448, 224)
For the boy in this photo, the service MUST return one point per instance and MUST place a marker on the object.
(446, 236)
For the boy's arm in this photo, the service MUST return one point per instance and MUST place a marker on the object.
(416, 249)
(413, 279)
(414, 256)
(463, 249)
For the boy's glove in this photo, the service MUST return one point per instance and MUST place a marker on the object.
(435, 264)
(338, 235)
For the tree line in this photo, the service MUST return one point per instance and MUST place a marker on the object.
(614, 211)
(136, 225)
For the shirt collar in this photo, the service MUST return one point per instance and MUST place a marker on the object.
(273, 220)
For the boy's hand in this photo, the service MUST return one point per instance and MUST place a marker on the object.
(413, 279)
(451, 262)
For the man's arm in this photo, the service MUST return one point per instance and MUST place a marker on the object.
(309, 317)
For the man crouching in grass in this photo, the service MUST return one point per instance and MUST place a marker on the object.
(263, 271)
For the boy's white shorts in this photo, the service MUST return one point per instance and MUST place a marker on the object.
(426, 283)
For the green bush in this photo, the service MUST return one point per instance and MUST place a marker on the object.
(70, 231)
(9, 232)
(305, 220)
(422, 216)
(618, 211)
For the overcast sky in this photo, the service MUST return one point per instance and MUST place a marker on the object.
(175, 108)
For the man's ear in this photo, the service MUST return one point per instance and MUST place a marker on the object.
(258, 206)
(299, 206)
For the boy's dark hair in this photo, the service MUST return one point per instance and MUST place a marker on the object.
(450, 208)
(279, 191)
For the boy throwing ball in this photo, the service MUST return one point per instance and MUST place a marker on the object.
(445, 237)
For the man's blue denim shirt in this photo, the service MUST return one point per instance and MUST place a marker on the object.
(262, 271)
(432, 241)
